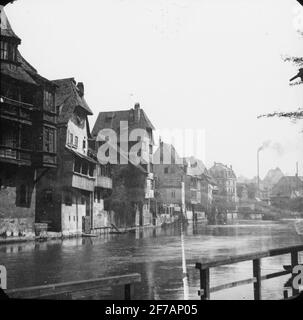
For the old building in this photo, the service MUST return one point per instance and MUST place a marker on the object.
(286, 189)
(27, 134)
(66, 196)
(208, 188)
(170, 176)
(182, 184)
(102, 216)
(133, 187)
(227, 183)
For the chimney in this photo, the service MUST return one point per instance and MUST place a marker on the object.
(80, 87)
(161, 150)
(297, 169)
(137, 112)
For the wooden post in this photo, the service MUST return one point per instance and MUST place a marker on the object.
(257, 275)
(294, 262)
(127, 291)
(204, 284)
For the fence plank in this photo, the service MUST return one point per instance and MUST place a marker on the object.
(70, 287)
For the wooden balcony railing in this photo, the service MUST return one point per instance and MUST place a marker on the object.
(18, 109)
(15, 154)
(104, 182)
(256, 278)
(68, 289)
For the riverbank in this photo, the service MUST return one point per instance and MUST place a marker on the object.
(60, 236)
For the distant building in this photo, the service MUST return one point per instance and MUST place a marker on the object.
(226, 181)
(27, 134)
(242, 192)
(133, 184)
(288, 187)
(181, 183)
(170, 172)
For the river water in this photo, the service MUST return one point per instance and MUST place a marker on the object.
(156, 255)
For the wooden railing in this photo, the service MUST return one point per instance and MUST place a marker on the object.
(67, 289)
(13, 153)
(256, 278)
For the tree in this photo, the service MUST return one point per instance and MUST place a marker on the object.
(295, 80)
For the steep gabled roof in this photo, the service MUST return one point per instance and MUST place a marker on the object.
(167, 154)
(6, 29)
(22, 70)
(195, 167)
(287, 185)
(16, 72)
(67, 97)
(112, 119)
(220, 170)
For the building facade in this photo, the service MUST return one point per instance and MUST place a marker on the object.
(133, 185)
(66, 194)
(27, 135)
(170, 177)
(182, 184)
(226, 181)
(288, 188)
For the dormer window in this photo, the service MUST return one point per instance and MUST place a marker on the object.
(4, 50)
(49, 101)
(8, 51)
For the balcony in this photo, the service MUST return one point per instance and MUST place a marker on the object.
(104, 182)
(16, 110)
(45, 159)
(83, 182)
(15, 155)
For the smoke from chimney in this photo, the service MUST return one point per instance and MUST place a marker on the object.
(275, 146)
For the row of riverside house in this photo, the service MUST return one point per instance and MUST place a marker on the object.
(48, 173)
(51, 175)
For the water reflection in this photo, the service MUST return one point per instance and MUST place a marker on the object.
(156, 255)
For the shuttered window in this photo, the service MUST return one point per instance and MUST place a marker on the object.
(49, 140)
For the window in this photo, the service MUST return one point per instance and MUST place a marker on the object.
(77, 166)
(76, 142)
(91, 170)
(173, 194)
(8, 51)
(4, 50)
(48, 196)
(71, 138)
(84, 144)
(97, 196)
(84, 168)
(166, 170)
(49, 101)
(49, 140)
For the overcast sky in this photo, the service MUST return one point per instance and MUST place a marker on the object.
(212, 65)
